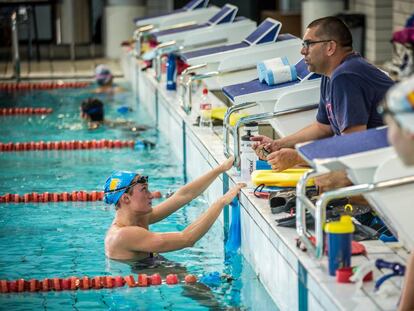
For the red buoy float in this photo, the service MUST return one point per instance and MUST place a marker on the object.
(171, 279)
(190, 279)
(156, 279)
(143, 280)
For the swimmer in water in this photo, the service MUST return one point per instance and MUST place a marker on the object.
(104, 79)
(92, 110)
(129, 238)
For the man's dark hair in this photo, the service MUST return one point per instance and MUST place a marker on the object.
(94, 109)
(332, 27)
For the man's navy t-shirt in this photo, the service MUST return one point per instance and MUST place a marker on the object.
(350, 97)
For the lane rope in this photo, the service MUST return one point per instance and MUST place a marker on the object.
(67, 145)
(24, 110)
(85, 283)
(13, 86)
(45, 197)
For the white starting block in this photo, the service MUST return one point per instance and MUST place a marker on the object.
(195, 11)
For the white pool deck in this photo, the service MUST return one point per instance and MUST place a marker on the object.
(293, 278)
(59, 69)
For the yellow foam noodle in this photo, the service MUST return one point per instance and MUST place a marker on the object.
(219, 112)
(286, 178)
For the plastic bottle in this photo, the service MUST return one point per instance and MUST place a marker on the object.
(205, 110)
(171, 72)
(247, 157)
(339, 236)
(253, 127)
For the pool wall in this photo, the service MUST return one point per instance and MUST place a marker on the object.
(294, 280)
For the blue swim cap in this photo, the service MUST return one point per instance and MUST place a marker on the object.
(118, 180)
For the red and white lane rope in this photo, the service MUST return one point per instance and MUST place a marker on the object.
(24, 110)
(67, 145)
(13, 86)
(45, 197)
(84, 283)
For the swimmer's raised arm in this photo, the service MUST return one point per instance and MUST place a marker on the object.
(188, 192)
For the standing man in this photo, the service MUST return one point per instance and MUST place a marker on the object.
(351, 89)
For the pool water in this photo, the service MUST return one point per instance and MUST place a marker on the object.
(65, 239)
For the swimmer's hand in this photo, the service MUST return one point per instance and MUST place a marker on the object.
(229, 195)
(227, 164)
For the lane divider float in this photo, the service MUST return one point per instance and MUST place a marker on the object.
(12, 86)
(45, 197)
(85, 283)
(24, 110)
(67, 145)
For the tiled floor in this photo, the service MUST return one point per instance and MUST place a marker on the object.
(59, 69)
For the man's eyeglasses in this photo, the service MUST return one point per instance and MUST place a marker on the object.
(307, 43)
(140, 180)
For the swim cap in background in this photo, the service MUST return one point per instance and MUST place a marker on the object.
(102, 74)
(118, 180)
(400, 101)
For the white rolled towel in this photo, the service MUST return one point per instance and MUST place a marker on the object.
(281, 74)
(268, 64)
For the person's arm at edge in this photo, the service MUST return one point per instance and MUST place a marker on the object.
(407, 297)
(188, 192)
(141, 240)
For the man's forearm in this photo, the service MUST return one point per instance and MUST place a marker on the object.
(407, 298)
(312, 132)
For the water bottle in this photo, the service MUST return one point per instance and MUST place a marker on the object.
(247, 157)
(171, 72)
(339, 236)
(205, 110)
(253, 127)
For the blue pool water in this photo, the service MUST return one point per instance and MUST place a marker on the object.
(66, 239)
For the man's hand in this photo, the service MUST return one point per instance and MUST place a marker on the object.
(264, 145)
(331, 181)
(283, 159)
(227, 164)
(229, 195)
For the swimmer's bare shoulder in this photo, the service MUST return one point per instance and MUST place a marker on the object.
(122, 242)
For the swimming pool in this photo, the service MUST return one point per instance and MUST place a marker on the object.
(66, 239)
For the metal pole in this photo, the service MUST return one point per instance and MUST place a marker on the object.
(15, 46)
(72, 41)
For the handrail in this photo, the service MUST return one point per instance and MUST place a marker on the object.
(187, 104)
(140, 31)
(138, 34)
(183, 83)
(248, 119)
(319, 209)
(324, 199)
(192, 69)
(15, 45)
(180, 25)
(302, 205)
(160, 50)
(226, 124)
